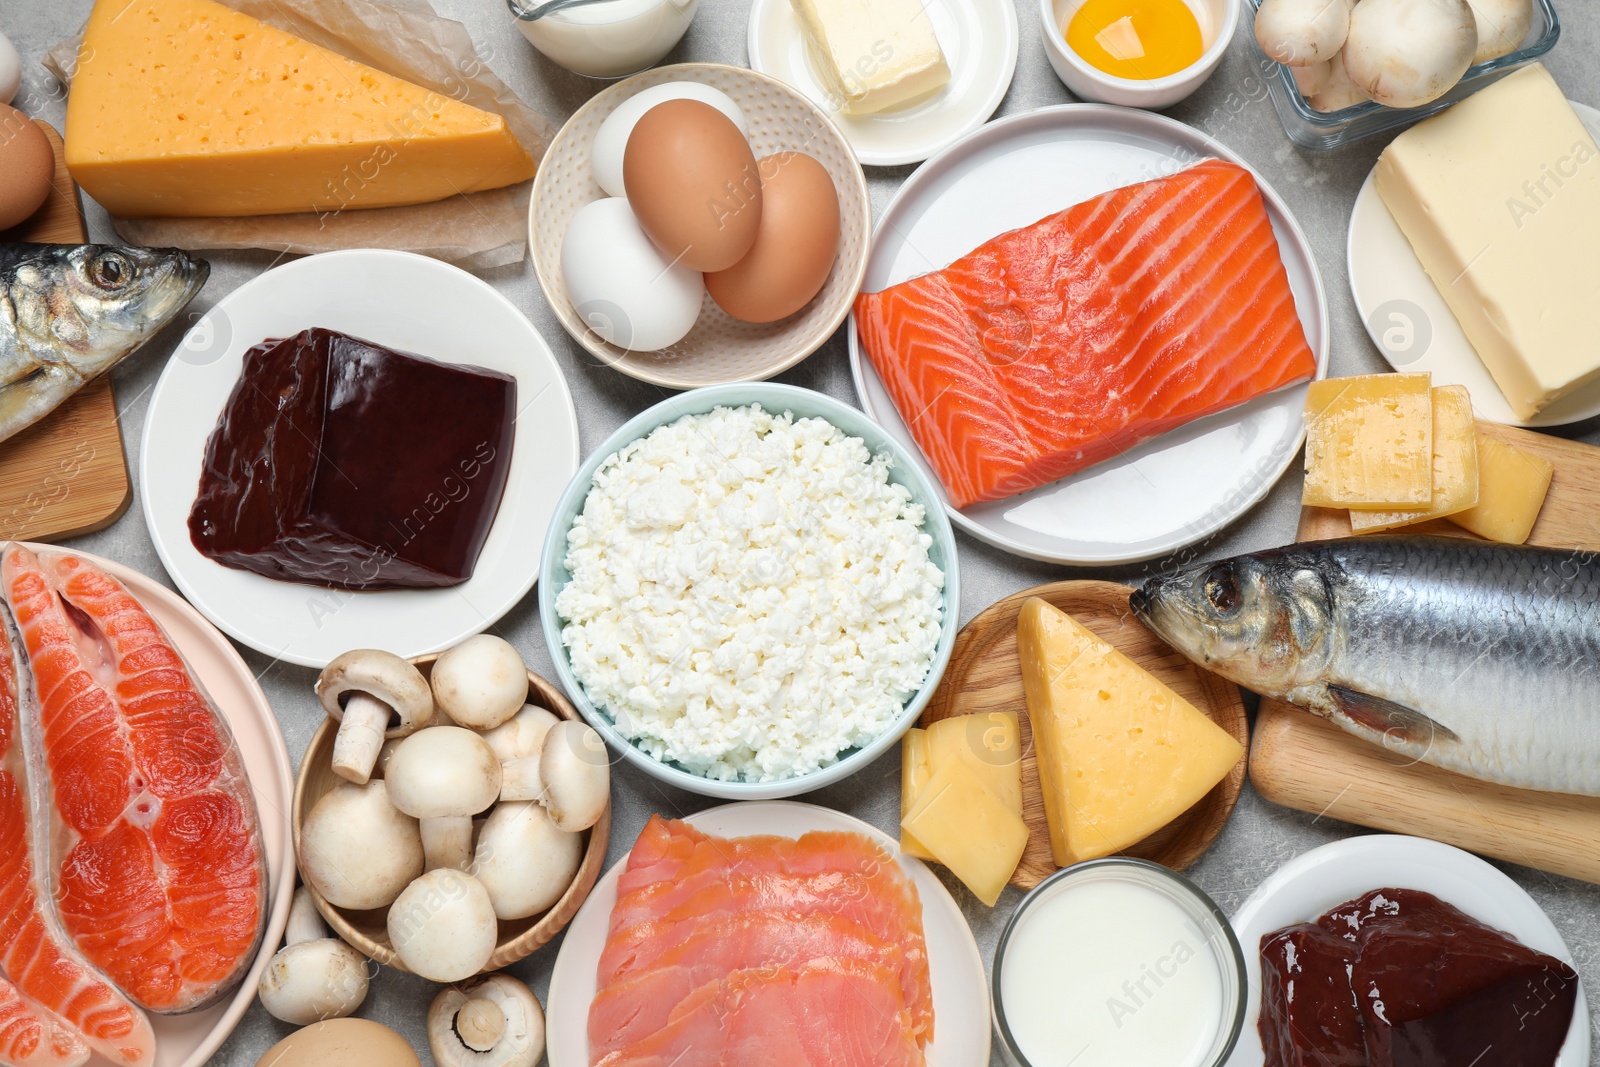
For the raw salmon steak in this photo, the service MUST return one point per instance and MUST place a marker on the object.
(1068, 342)
(31, 1037)
(157, 866)
(34, 953)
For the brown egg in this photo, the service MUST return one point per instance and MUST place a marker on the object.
(27, 165)
(341, 1043)
(795, 246)
(693, 184)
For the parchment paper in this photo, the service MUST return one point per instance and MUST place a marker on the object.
(408, 39)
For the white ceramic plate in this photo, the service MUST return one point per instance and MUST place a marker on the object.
(1167, 493)
(1414, 328)
(960, 991)
(408, 302)
(979, 39)
(189, 1040)
(1309, 885)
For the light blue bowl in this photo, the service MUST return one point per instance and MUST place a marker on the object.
(906, 470)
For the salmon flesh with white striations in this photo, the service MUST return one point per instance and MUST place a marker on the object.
(1480, 658)
(32, 1037)
(156, 864)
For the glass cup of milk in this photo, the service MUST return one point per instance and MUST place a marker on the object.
(1118, 962)
(610, 39)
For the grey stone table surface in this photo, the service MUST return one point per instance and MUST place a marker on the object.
(1232, 107)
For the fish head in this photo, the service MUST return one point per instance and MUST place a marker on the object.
(1263, 621)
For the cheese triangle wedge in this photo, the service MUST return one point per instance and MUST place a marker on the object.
(1120, 754)
(190, 108)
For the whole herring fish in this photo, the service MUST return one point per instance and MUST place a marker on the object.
(1480, 658)
(69, 313)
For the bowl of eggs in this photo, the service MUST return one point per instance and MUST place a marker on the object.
(700, 224)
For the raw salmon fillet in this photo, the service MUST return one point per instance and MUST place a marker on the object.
(34, 954)
(158, 869)
(1068, 342)
(30, 1037)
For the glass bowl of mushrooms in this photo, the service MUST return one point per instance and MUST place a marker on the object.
(452, 812)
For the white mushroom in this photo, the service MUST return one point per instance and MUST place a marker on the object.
(313, 976)
(1502, 25)
(518, 744)
(443, 776)
(1309, 80)
(373, 695)
(481, 682)
(524, 860)
(443, 927)
(495, 1021)
(386, 753)
(1338, 92)
(576, 771)
(1404, 53)
(356, 849)
(1298, 33)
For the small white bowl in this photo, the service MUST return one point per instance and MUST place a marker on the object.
(609, 40)
(1218, 19)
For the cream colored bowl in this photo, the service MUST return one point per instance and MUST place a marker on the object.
(719, 349)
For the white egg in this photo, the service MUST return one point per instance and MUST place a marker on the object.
(11, 71)
(624, 289)
(612, 136)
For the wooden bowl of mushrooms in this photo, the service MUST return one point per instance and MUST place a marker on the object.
(453, 811)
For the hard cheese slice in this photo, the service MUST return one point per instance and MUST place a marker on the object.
(990, 744)
(1369, 442)
(1511, 489)
(914, 774)
(1455, 465)
(1120, 754)
(968, 829)
(189, 108)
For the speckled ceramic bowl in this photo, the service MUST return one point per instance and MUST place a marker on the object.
(719, 349)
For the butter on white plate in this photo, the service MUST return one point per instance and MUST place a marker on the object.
(874, 54)
(1500, 199)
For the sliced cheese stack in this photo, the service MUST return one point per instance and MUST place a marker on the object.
(1120, 754)
(1454, 485)
(189, 108)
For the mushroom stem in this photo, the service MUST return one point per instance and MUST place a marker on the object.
(479, 1024)
(305, 924)
(447, 842)
(520, 780)
(355, 747)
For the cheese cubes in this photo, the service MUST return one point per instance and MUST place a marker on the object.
(1369, 442)
(1455, 465)
(1511, 489)
(1500, 199)
(1120, 754)
(874, 54)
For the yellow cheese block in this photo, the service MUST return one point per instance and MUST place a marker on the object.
(1455, 465)
(968, 829)
(1511, 489)
(1120, 754)
(992, 746)
(189, 108)
(914, 774)
(1369, 442)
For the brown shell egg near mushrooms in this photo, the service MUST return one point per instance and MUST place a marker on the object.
(494, 1021)
(374, 695)
(314, 976)
(357, 850)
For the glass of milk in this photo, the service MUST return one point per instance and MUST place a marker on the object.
(1118, 962)
(607, 40)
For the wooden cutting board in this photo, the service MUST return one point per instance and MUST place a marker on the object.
(1303, 762)
(66, 474)
(985, 675)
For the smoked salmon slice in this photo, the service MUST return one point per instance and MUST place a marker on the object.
(1068, 342)
(30, 1037)
(34, 954)
(157, 868)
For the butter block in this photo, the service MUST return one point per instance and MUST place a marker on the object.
(1455, 465)
(968, 829)
(1512, 485)
(1500, 199)
(874, 54)
(990, 743)
(1369, 442)
(1120, 754)
(190, 108)
(914, 774)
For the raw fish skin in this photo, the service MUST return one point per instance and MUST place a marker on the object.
(157, 868)
(35, 953)
(31, 1037)
(1066, 343)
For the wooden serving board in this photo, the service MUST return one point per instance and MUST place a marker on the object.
(1307, 763)
(985, 675)
(66, 474)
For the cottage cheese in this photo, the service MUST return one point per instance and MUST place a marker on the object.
(750, 594)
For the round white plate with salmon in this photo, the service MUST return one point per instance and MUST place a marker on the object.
(1189, 407)
(687, 915)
